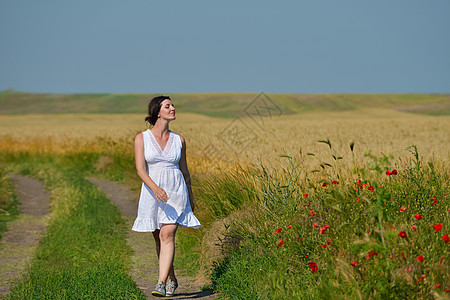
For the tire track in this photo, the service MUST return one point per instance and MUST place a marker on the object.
(144, 269)
(20, 241)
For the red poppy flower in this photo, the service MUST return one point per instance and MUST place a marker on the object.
(434, 202)
(305, 195)
(313, 267)
(447, 291)
(403, 255)
(418, 216)
(328, 242)
(393, 172)
(281, 242)
(446, 238)
(420, 258)
(402, 234)
(335, 182)
(370, 188)
(392, 228)
(420, 278)
(289, 227)
(442, 259)
(324, 184)
(305, 205)
(278, 230)
(414, 227)
(434, 197)
(315, 225)
(436, 286)
(323, 245)
(371, 253)
(324, 228)
(312, 212)
(299, 239)
(437, 227)
(402, 209)
(357, 199)
(354, 263)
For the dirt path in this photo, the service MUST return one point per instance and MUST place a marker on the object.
(19, 242)
(144, 261)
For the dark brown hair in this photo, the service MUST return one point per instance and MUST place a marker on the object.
(154, 107)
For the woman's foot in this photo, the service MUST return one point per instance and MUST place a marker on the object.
(160, 290)
(171, 287)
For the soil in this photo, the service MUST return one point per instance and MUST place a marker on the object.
(19, 242)
(144, 268)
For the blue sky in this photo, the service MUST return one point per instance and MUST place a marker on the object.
(144, 46)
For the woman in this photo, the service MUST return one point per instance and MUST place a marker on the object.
(166, 200)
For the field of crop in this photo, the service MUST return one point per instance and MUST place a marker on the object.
(242, 140)
(302, 204)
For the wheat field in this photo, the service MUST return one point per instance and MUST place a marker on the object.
(246, 139)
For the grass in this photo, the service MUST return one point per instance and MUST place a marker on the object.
(9, 209)
(83, 253)
(188, 255)
(345, 226)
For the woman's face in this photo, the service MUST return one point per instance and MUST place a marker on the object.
(167, 110)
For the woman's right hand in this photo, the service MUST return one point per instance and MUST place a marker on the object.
(160, 194)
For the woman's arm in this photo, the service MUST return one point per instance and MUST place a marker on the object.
(185, 171)
(139, 158)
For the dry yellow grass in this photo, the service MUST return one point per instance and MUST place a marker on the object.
(244, 139)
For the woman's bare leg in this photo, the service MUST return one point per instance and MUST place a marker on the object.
(157, 241)
(165, 249)
(158, 250)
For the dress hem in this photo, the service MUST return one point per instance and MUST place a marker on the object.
(181, 225)
(147, 225)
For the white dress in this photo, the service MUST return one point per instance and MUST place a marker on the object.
(162, 167)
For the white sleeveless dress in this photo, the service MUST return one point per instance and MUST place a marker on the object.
(162, 167)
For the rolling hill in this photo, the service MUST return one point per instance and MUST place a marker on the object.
(220, 104)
